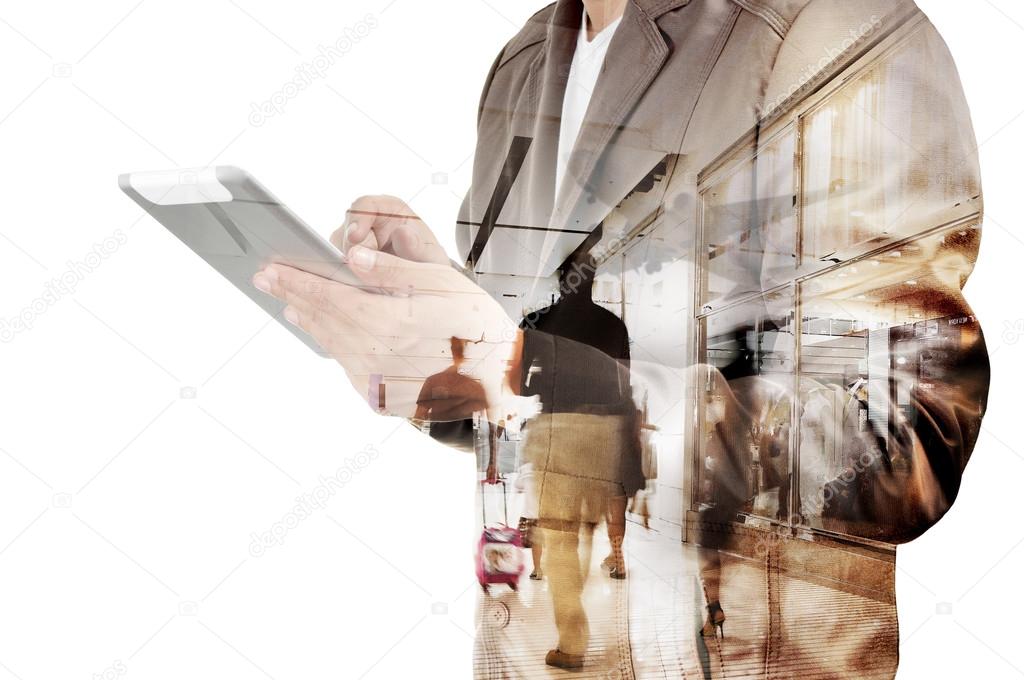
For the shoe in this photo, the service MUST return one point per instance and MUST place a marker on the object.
(615, 572)
(715, 622)
(536, 575)
(560, 659)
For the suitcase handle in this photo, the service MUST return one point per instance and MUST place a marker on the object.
(483, 496)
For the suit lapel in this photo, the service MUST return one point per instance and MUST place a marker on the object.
(625, 135)
(639, 52)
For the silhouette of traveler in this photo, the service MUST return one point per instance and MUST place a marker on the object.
(447, 397)
(584, 449)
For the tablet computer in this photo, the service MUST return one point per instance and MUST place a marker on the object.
(238, 227)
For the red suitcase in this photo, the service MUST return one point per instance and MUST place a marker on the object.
(499, 554)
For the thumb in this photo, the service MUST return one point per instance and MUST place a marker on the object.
(417, 242)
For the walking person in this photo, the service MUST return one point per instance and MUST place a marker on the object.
(583, 450)
(526, 484)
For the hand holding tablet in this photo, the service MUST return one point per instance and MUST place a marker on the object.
(238, 227)
(390, 310)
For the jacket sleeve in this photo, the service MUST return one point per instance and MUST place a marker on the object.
(492, 119)
(927, 373)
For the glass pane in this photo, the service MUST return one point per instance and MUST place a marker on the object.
(777, 209)
(882, 158)
(659, 275)
(744, 408)
(874, 334)
(750, 223)
(728, 263)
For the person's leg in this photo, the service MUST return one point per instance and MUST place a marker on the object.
(537, 549)
(784, 489)
(616, 562)
(565, 581)
(709, 561)
(586, 549)
(729, 423)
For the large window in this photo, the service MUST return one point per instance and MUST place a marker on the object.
(858, 211)
(875, 335)
(749, 222)
(744, 407)
(878, 161)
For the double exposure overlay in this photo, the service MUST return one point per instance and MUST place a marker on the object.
(706, 336)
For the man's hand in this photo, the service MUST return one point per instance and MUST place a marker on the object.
(404, 330)
(387, 224)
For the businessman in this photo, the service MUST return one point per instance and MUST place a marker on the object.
(600, 123)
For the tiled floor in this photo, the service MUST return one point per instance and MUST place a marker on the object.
(646, 626)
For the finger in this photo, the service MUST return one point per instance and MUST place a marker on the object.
(380, 215)
(341, 309)
(415, 241)
(339, 239)
(307, 302)
(366, 333)
(393, 227)
(312, 300)
(283, 281)
(399, 276)
(335, 331)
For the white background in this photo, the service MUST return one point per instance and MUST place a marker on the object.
(127, 504)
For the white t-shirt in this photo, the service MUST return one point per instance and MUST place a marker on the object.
(586, 67)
